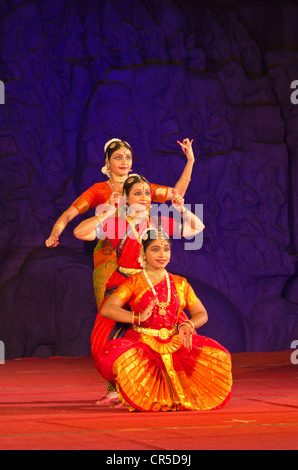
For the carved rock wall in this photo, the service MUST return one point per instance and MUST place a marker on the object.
(78, 73)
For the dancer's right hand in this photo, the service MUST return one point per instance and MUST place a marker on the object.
(52, 241)
(147, 312)
(114, 198)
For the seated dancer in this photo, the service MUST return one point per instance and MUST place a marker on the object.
(161, 364)
(123, 236)
(118, 162)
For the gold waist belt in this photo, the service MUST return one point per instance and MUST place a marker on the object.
(163, 333)
(129, 271)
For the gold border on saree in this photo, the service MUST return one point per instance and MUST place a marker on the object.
(129, 271)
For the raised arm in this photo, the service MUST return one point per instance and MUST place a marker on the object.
(184, 180)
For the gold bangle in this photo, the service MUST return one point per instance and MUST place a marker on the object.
(186, 323)
(186, 179)
(60, 225)
(136, 318)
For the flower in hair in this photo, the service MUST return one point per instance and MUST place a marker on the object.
(142, 261)
(106, 171)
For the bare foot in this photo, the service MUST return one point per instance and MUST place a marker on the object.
(108, 399)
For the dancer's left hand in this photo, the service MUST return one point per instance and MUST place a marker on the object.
(177, 201)
(185, 334)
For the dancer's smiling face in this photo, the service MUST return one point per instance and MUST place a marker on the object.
(139, 197)
(158, 254)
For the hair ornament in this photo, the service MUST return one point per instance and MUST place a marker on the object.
(145, 234)
(133, 175)
(160, 235)
(111, 143)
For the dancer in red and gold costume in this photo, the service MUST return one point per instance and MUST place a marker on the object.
(122, 234)
(118, 163)
(161, 364)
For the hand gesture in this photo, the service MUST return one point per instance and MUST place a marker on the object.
(177, 201)
(147, 312)
(114, 198)
(185, 334)
(52, 241)
(186, 146)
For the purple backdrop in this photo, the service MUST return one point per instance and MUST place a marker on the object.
(78, 73)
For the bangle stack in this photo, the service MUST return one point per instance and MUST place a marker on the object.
(188, 323)
(136, 318)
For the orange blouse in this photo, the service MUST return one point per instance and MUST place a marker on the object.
(100, 193)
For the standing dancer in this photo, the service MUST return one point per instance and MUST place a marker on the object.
(118, 163)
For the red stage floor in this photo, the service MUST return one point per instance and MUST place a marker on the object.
(49, 404)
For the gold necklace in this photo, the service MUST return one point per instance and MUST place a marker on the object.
(114, 181)
(156, 276)
(161, 305)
